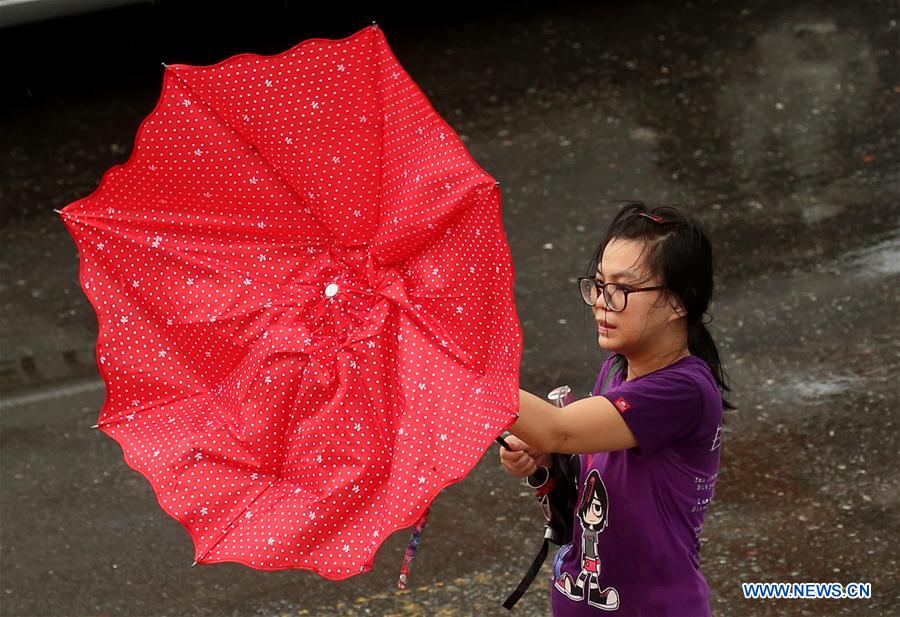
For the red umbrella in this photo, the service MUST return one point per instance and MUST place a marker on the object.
(304, 295)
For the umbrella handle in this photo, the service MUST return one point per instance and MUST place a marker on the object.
(535, 480)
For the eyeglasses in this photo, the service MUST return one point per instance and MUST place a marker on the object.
(614, 294)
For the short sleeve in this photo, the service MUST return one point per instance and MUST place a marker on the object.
(660, 409)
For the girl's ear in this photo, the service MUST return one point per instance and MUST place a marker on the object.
(678, 310)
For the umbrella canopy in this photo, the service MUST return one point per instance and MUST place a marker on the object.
(304, 296)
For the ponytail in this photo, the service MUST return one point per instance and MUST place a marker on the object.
(702, 345)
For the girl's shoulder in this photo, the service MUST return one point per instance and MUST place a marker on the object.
(697, 370)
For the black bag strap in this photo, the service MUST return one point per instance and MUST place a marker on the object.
(529, 576)
(541, 557)
(606, 380)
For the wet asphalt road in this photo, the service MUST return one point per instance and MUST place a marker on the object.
(777, 125)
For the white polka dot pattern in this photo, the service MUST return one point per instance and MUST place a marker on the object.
(304, 294)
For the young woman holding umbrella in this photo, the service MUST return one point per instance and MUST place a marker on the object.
(650, 444)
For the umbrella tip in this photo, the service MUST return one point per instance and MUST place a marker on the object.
(96, 426)
(193, 564)
(374, 23)
(165, 66)
(57, 211)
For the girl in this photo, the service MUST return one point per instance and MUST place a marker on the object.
(650, 441)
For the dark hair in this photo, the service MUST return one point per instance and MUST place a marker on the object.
(680, 254)
(594, 489)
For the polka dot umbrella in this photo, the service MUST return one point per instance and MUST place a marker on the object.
(305, 307)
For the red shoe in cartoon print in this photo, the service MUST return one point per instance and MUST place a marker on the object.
(565, 585)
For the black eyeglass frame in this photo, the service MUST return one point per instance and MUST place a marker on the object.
(601, 290)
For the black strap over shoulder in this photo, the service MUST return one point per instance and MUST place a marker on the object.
(606, 380)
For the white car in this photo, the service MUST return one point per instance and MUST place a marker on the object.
(15, 12)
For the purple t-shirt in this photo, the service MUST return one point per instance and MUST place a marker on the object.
(636, 539)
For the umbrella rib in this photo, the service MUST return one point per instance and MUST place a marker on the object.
(187, 257)
(243, 137)
(172, 399)
(438, 333)
(232, 522)
(214, 269)
(381, 153)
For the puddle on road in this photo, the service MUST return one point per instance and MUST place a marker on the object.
(882, 259)
(810, 388)
(814, 388)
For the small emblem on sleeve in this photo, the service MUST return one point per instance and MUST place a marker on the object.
(622, 405)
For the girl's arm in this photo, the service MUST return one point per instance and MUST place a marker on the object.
(590, 424)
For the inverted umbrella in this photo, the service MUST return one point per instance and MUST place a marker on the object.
(304, 296)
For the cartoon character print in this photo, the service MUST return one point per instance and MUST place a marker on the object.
(593, 512)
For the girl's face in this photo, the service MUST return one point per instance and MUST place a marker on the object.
(647, 313)
(594, 513)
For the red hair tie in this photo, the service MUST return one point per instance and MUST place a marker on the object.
(653, 217)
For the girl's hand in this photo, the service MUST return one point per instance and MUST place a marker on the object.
(523, 460)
